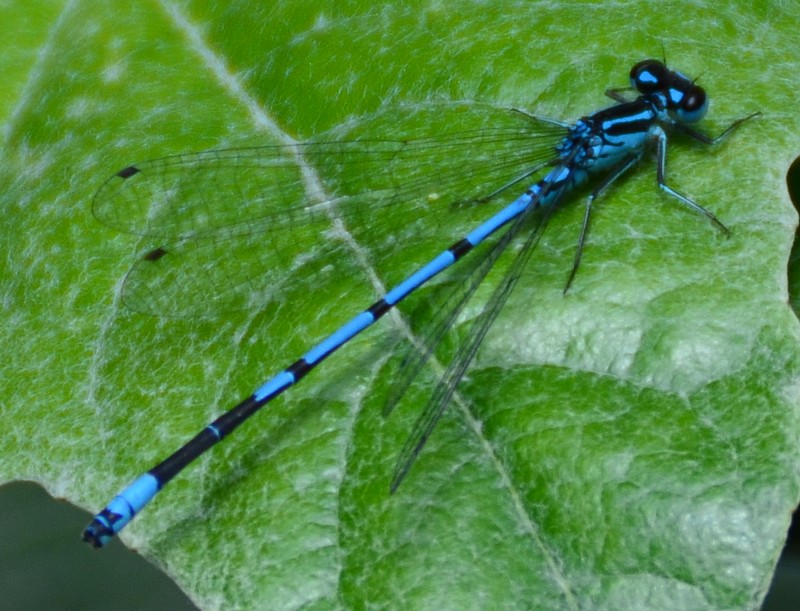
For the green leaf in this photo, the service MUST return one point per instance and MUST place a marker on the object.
(633, 444)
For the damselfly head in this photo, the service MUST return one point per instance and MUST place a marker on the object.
(684, 98)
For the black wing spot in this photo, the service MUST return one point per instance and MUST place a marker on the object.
(128, 172)
(155, 254)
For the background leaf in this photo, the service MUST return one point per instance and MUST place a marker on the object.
(633, 444)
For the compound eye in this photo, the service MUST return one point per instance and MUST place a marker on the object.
(693, 106)
(648, 76)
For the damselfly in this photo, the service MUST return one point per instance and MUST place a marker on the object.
(207, 210)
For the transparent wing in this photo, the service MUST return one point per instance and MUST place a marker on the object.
(465, 353)
(231, 229)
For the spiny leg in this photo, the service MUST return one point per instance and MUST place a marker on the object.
(701, 137)
(661, 178)
(616, 93)
(526, 174)
(555, 122)
(616, 172)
